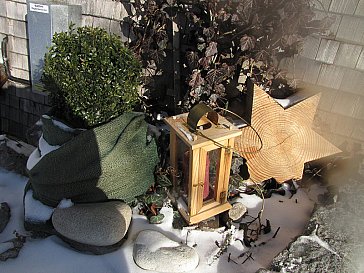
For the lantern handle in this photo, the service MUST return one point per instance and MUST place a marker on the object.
(197, 112)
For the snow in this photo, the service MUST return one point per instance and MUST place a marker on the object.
(294, 98)
(6, 246)
(33, 159)
(51, 254)
(61, 125)
(319, 241)
(46, 148)
(36, 211)
(65, 203)
(38, 153)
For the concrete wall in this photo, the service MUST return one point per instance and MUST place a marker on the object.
(334, 64)
(20, 107)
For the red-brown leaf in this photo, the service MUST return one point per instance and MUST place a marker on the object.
(211, 50)
(196, 79)
(247, 43)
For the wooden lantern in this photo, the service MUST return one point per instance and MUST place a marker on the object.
(205, 160)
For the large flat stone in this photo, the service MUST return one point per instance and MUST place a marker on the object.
(96, 224)
(154, 251)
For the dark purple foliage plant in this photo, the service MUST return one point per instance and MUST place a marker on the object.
(224, 42)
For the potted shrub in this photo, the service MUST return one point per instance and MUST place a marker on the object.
(94, 147)
(91, 76)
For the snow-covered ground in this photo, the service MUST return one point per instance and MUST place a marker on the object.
(52, 255)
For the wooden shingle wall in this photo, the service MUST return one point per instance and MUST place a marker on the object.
(333, 63)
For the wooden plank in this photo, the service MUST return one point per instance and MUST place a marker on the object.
(208, 213)
(193, 181)
(201, 178)
(228, 159)
(219, 187)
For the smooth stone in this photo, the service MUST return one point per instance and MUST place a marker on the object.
(154, 251)
(237, 211)
(209, 224)
(97, 224)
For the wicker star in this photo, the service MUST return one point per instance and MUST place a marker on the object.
(287, 137)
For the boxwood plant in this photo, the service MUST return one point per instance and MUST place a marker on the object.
(91, 76)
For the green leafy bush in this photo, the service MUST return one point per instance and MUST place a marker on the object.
(91, 76)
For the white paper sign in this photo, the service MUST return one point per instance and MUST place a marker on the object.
(39, 8)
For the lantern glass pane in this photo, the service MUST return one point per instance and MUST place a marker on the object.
(212, 174)
(183, 157)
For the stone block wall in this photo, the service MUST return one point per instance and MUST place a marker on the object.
(333, 64)
(20, 107)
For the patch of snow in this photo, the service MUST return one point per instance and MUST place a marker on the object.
(293, 99)
(2, 137)
(6, 246)
(282, 212)
(211, 257)
(36, 211)
(65, 203)
(318, 240)
(283, 102)
(61, 125)
(252, 202)
(45, 147)
(33, 159)
(39, 122)
(12, 191)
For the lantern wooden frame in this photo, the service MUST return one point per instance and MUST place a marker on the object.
(219, 136)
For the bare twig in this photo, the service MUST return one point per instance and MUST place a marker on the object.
(275, 233)
(249, 257)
